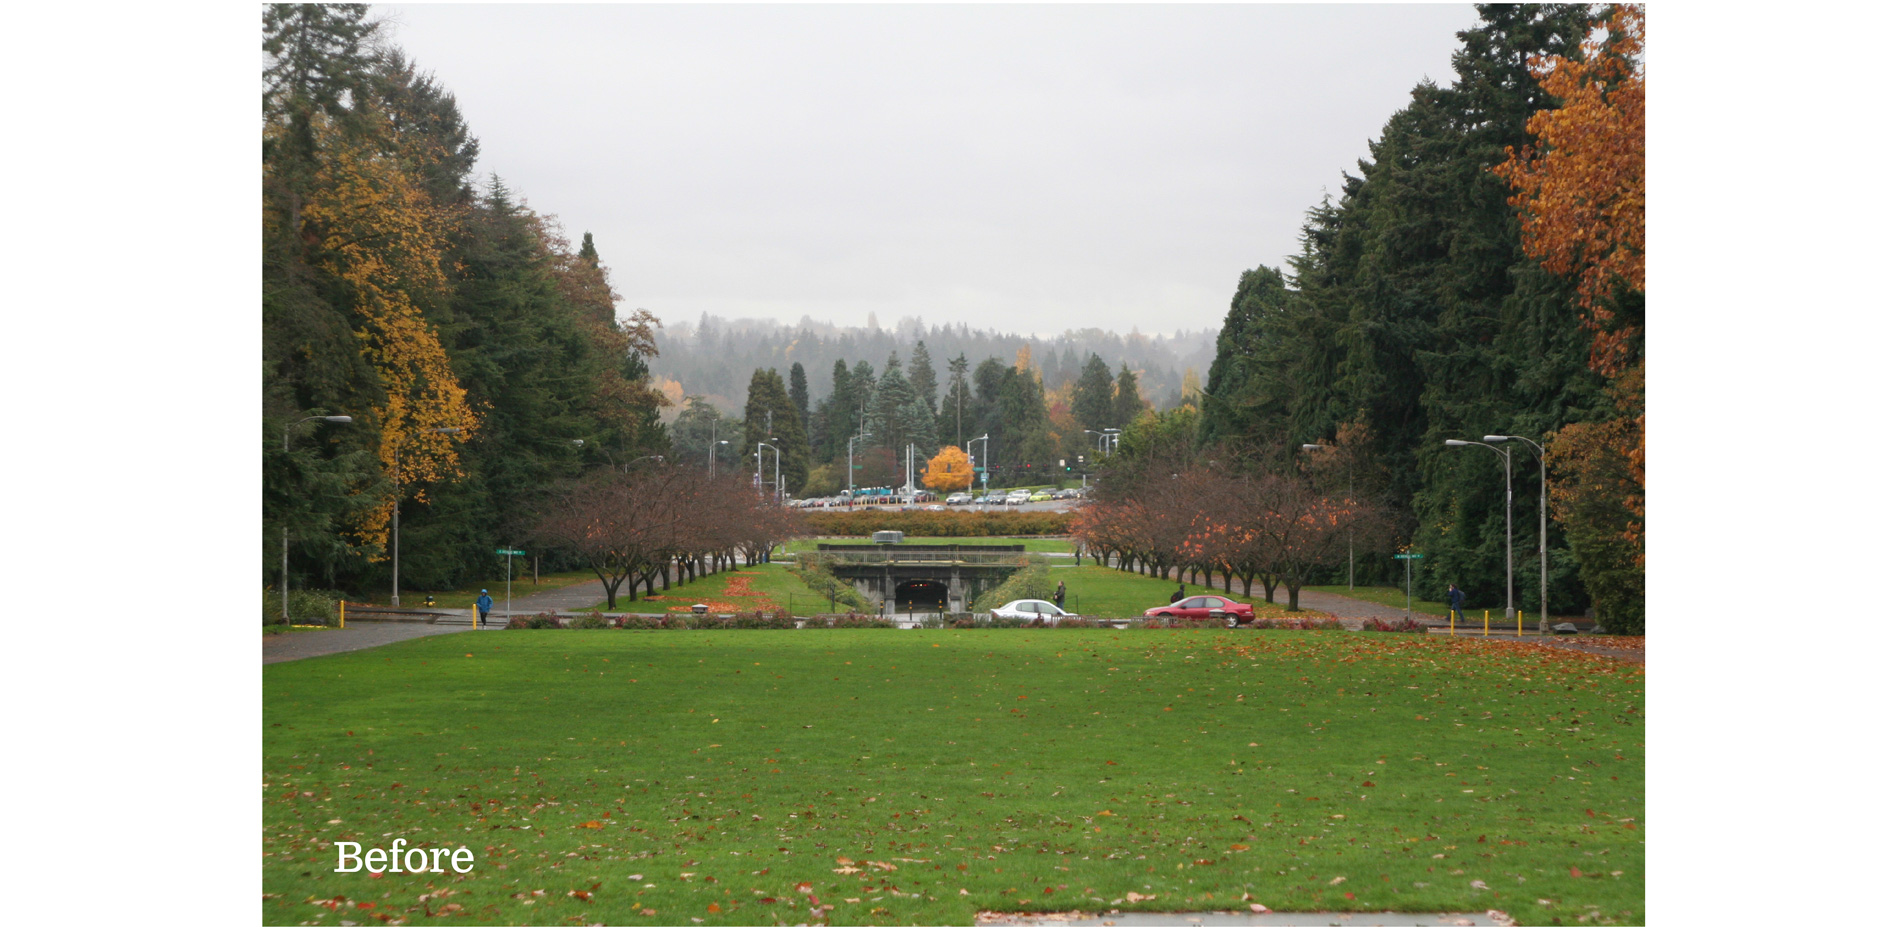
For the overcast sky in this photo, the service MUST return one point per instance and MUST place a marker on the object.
(1024, 168)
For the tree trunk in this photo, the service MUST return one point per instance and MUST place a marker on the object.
(1292, 597)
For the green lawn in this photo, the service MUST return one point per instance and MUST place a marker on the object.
(1103, 592)
(771, 585)
(1042, 545)
(894, 771)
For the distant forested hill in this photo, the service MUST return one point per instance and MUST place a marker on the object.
(716, 357)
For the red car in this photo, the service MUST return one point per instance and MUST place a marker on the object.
(1206, 608)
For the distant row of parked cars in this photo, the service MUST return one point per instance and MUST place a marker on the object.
(1013, 497)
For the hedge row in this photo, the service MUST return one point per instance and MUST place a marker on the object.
(940, 524)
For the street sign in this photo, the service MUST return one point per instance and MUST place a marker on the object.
(517, 553)
(1408, 556)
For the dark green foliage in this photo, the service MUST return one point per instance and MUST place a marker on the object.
(1128, 402)
(1413, 311)
(1094, 407)
(923, 376)
(800, 392)
(771, 419)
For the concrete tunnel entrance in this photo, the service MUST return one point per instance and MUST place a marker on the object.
(921, 595)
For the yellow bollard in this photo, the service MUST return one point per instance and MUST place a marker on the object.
(473, 613)
(1454, 622)
(1520, 623)
(1487, 622)
(339, 615)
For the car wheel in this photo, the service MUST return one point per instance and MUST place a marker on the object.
(1232, 622)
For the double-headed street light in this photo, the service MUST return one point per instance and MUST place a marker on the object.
(710, 448)
(1509, 587)
(1543, 561)
(340, 419)
(395, 518)
(985, 470)
(758, 472)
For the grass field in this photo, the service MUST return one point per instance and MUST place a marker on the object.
(754, 588)
(886, 777)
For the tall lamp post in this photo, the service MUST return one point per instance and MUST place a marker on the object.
(1350, 496)
(985, 438)
(850, 471)
(1509, 587)
(759, 472)
(710, 448)
(340, 419)
(395, 520)
(1543, 561)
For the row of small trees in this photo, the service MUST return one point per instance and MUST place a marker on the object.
(651, 525)
(1211, 518)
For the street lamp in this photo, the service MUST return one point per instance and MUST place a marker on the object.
(1543, 561)
(1509, 582)
(758, 472)
(1114, 438)
(709, 456)
(341, 419)
(395, 519)
(1352, 497)
(985, 438)
(850, 474)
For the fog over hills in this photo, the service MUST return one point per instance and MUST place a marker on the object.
(715, 357)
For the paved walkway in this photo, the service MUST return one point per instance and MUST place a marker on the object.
(296, 645)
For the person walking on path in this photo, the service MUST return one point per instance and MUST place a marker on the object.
(1062, 591)
(1457, 600)
(483, 604)
(1180, 592)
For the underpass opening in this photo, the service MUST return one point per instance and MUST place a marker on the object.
(921, 595)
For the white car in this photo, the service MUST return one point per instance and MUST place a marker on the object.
(957, 498)
(1018, 497)
(1029, 608)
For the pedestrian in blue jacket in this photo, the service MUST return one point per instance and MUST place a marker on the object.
(1457, 600)
(483, 604)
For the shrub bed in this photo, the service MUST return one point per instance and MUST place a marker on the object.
(1403, 625)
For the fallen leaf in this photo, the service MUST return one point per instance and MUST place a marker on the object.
(1258, 908)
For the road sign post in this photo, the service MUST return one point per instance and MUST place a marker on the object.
(509, 609)
(1408, 558)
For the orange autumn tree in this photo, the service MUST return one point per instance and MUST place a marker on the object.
(382, 238)
(950, 470)
(1581, 201)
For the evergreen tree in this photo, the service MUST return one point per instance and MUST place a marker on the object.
(1128, 402)
(957, 405)
(800, 393)
(1094, 404)
(771, 419)
(890, 408)
(923, 376)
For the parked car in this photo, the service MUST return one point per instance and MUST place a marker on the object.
(1016, 497)
(1030, 608)
(1206, 608)
(1040, 497)
(957, 498)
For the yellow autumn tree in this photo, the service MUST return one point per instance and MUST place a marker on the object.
(950, 470)
(378, 234)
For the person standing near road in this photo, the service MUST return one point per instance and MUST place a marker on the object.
(1457, 600)
(483, 604)
(1180, 592)
(1062, 592)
